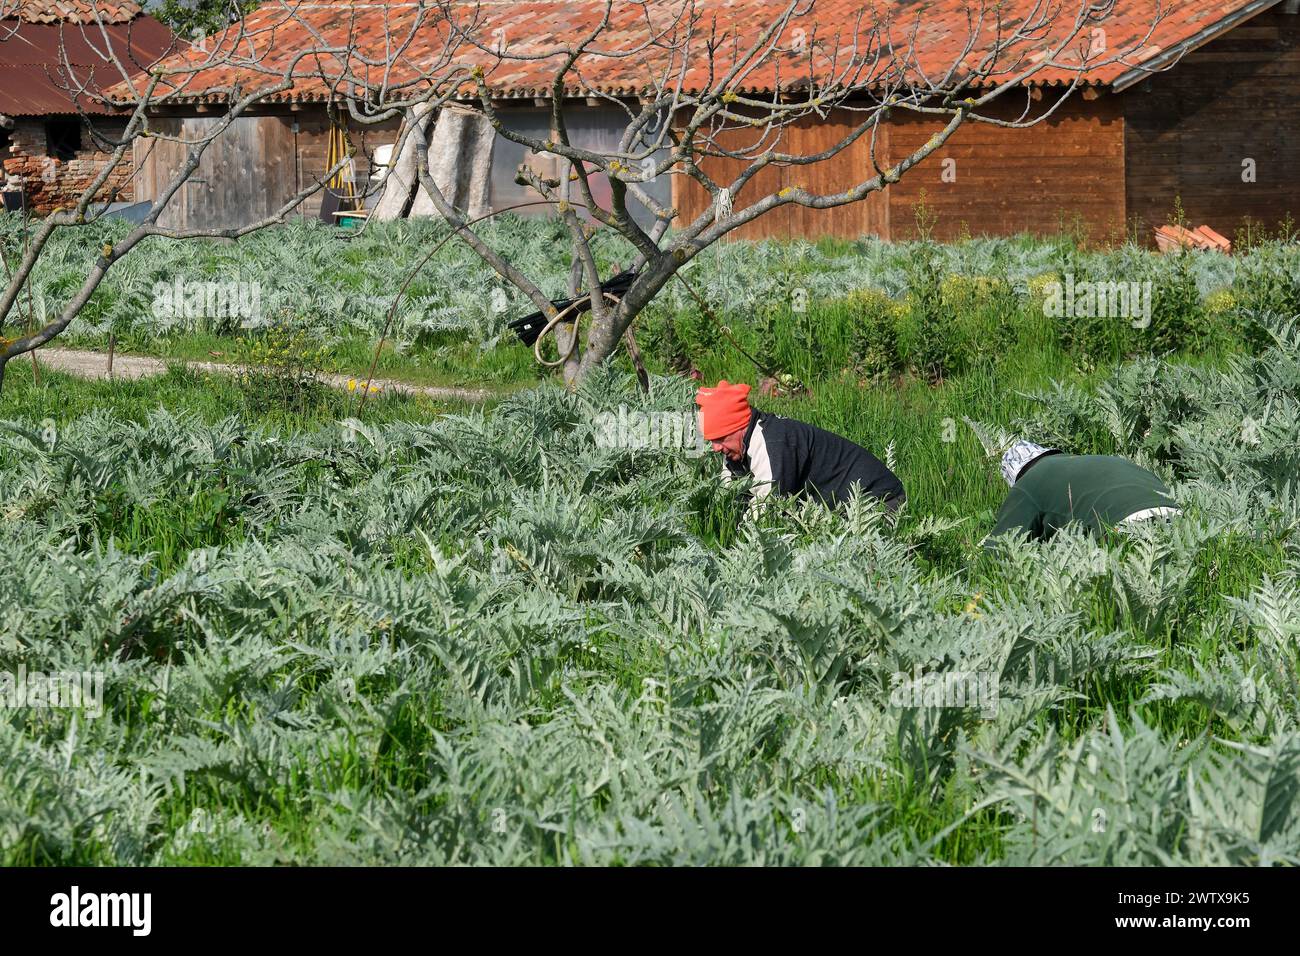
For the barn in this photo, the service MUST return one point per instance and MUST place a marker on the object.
(1205, 113)
(55, 139)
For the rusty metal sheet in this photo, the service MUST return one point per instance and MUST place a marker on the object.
(41, 64)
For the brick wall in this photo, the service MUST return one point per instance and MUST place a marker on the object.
(50, 182)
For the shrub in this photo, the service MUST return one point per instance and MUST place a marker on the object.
(873, 319)
(929, 337)
(1267, 282)
(985, 312)
(280, 370)
(1178, 321)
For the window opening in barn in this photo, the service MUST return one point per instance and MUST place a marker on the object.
(63, 139)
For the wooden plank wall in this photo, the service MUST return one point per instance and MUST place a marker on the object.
(1188, 130)
(1067, 169)
(154, 159)
(241, 178)
(1070, 166)
(808, 136)
(255, 168)
(590, 127)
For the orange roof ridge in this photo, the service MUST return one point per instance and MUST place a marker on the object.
(74, 11)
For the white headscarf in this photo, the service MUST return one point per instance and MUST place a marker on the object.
(1020, 454)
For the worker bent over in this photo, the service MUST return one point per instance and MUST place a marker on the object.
(1049, 489)
(788, 456)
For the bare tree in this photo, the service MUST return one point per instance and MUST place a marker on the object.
(697, 66)
(704, 86)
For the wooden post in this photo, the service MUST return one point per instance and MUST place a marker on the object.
(112, 342)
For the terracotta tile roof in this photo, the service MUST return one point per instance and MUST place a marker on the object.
(70, 11)
(928, 35)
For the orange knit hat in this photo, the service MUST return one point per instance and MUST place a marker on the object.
(723, 409)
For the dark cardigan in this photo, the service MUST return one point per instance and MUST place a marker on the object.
(807, 460)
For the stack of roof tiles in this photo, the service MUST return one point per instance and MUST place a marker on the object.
(1169, 238)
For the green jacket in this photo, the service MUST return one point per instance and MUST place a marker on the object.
(1095, 490)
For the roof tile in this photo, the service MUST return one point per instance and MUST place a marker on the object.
(70, 11)
(930, 35)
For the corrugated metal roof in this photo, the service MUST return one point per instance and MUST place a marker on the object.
(70, 11)
(34, 62)
(927, 35)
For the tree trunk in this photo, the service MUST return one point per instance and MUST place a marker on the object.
(565, 333)
(603, 337)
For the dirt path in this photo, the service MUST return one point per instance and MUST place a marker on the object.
(95, 365)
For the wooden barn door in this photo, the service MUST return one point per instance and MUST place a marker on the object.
(242, 177)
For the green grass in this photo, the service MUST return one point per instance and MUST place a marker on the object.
(460, 364)
(62, 397)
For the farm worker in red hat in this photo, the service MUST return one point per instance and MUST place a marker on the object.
(788, 456)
